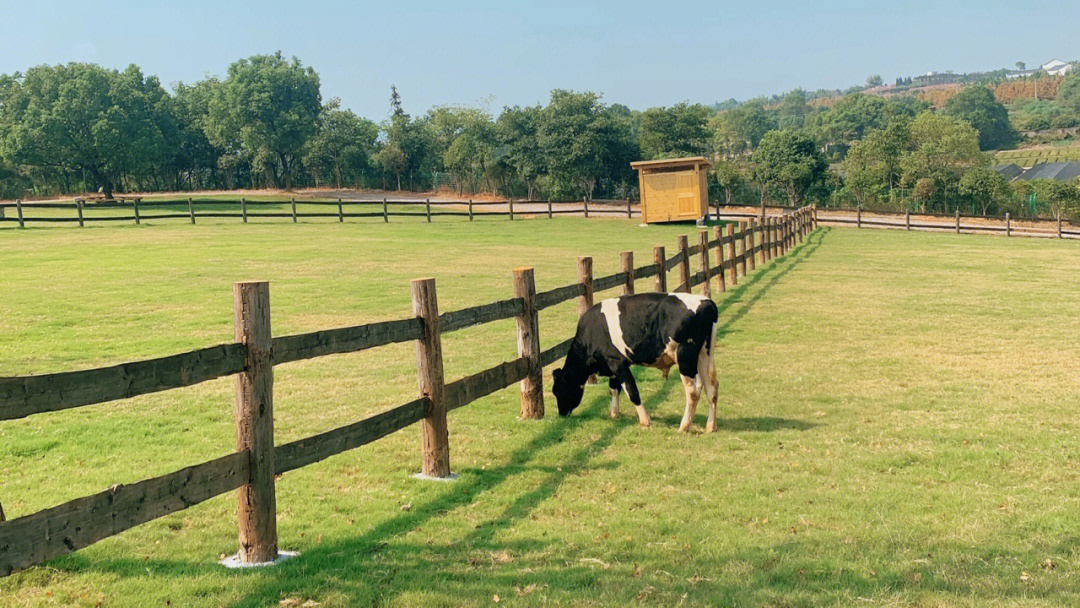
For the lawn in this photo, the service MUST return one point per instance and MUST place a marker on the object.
(896, 424)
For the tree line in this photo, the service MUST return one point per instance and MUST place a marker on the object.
(81, 127)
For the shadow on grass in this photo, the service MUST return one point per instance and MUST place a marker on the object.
(382, 564)
(771, 275)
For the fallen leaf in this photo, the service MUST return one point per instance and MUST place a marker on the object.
(289, 602)
(1049, 564)
(495, 598)
(522, 592)
(501, 557)
(1024, 576)
(406, 507)
(645, 592)
(310, 604)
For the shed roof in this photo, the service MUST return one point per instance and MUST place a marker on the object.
(688, 161)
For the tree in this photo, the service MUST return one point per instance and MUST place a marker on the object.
(791, 161)
(81, 118)
(342, 147)
(1068, 93)
(392, 161)
(874, 81)
(729, 177)
(740, 130)
(871, 166)
(583, 142)
(976, 106)
(517, 130)
(464, 139)
(1057, 198)
(1020, 65)
(412, 139)
(791, 114)
(941, 149)
(195, 157)
(267, 108)
(984, 185)
(674, 132)
(851, 117)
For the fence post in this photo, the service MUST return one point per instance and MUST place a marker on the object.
(549, 208)
(1059, 227)
(627, 258)
(243, 209)
(79, 210)
(191, 210)
(957, 220)
(470, 209)
(751, 230)
(858, 217)
(629, 213)
(254, 418)
(586, 203)
(703, 240)
(435, 442)
(2, 210)
(1008, 224)
(731, 255)
(427, 207)
(718, 234)
(660, 259)
(585, 300)
(814, 224)
(340, 212)
(774, 237)
(684, 264)
(742, 245)
(511, 203)
(135, 206)
(18, 211)
(907, 220)
(385, 212)
(293, 202)
(528, 334)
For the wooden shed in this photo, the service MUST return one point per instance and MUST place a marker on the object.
(674, 189)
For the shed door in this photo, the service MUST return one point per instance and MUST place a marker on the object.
(688, 196)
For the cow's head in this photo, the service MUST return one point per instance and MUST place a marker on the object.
(567, 391)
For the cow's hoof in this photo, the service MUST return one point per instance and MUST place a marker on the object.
(685, 428)
(646, 425)
(710, 427)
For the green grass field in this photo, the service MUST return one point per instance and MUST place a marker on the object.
(897, 425)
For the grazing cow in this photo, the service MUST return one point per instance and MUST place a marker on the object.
(652, 329)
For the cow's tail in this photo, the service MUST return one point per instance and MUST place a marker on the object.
(710, 316)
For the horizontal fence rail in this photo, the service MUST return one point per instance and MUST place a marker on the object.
(924, 221)
(37, 537)
(84, 212)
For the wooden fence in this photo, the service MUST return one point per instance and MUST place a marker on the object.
(192, 209)
(34, 538)
(956, 222)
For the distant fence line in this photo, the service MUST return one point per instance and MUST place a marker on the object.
(956, 222)
(80, 210)
(34, 538)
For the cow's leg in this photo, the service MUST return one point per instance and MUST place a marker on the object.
(690, 387)
(688, 359)
(707, 374)
(616, 387)
(626, 377)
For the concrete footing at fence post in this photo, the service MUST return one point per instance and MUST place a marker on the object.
(434, 439)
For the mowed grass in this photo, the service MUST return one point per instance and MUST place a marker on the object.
(897, 425)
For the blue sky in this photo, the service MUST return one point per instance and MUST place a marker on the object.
(641, 54)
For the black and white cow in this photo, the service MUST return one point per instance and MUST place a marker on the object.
(651, 329)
